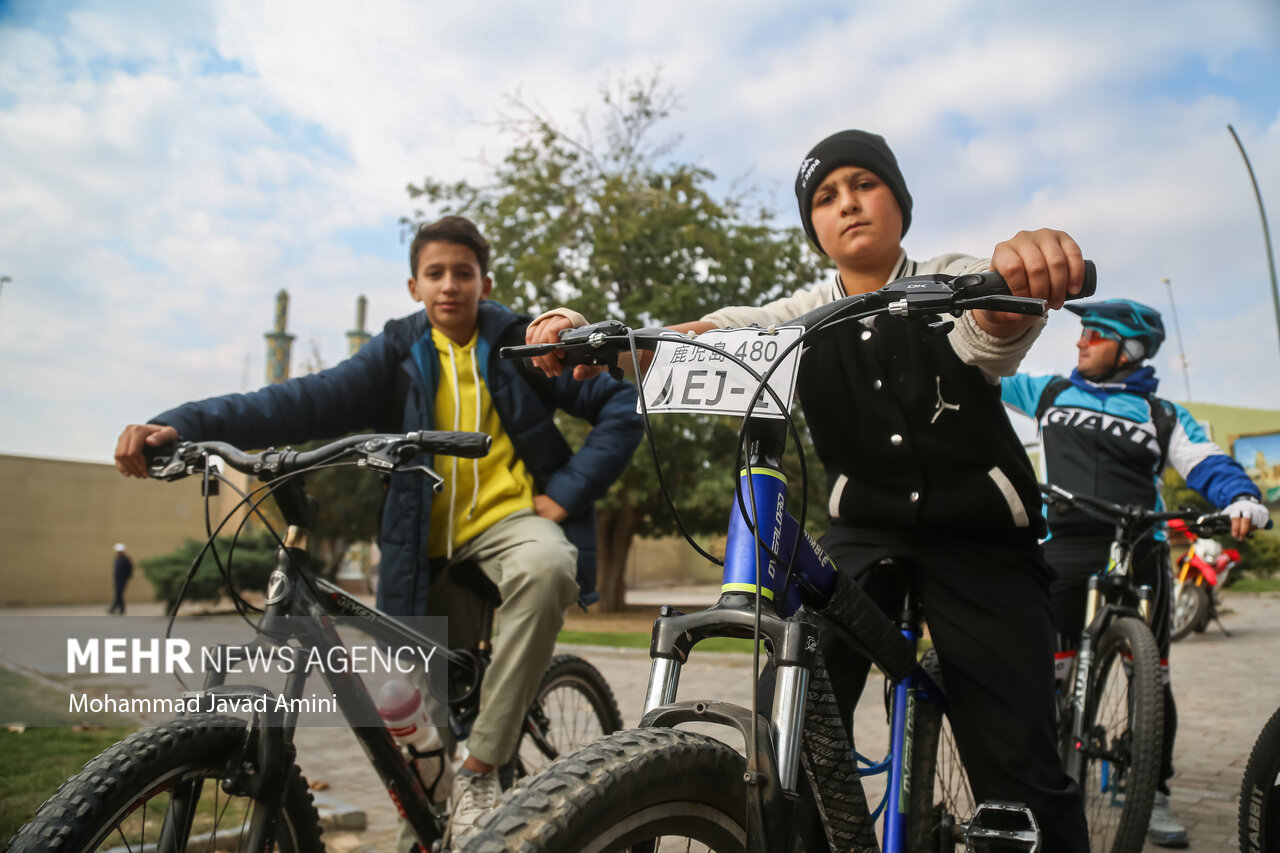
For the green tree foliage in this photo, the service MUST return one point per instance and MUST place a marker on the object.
(349, 499)
(603, 219)
(250, 565)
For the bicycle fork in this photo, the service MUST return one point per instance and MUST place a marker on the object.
(1073, 761)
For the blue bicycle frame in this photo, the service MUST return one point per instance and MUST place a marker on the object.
(761, 542)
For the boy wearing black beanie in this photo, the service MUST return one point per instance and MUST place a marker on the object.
(930, 487)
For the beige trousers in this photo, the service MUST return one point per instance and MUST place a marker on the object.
(535, 568)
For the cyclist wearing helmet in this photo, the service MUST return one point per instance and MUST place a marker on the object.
(1106, 434)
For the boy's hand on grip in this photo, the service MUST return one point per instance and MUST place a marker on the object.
(129, 447)
(1044, 264)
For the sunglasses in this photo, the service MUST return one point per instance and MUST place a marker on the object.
(1092, 337)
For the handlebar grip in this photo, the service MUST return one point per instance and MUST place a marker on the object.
(1090, 285)
(991, 283)
(468, 445)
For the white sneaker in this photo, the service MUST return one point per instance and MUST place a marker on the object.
(474, 795)
(1163, 829)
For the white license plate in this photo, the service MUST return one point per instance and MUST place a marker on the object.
(687, 378)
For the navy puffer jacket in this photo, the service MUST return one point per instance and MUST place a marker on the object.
(381, 389)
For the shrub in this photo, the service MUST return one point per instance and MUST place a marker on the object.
(250, 565)
(1259, 554)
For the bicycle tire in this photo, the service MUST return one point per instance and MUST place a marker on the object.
(99, 807)
(624, 792)
(574, 706)
(1259, 822)
(1124, 726)
(941, 801)
(1190, 610)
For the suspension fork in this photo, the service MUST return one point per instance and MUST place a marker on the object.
(1074, 759)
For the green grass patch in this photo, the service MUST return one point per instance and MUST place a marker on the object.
(638, 640)
(37, 761)
(25, 700)
(40, 758)
(1256, 585)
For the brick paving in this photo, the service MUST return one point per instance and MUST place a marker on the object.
(1226, 689)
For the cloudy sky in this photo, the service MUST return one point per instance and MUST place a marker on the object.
(165, 168)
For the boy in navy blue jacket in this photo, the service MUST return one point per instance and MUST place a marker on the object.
(524, 514)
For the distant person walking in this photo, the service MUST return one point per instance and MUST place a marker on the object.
(123, 571)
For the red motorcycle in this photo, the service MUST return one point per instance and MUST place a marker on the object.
(1201, 572)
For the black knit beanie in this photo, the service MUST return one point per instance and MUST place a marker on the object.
(849, 148)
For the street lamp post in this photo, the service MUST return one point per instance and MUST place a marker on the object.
(1266, 232)
(1177, 332)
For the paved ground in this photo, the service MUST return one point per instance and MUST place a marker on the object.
(1226, 689)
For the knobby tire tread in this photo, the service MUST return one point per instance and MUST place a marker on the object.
(929, 715)
(90, 802)
(825, 755)
(1146, 725)
(579, 798)
(1259, 822)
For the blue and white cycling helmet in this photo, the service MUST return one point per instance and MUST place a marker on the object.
(1138, 326)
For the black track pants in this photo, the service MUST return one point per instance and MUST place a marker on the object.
(987, 608)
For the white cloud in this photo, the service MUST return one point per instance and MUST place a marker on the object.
(162, 176)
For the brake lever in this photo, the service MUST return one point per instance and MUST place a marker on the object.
(1012, 304)
(593, 334)
(390, 456)
(185, 459)
(437, 482)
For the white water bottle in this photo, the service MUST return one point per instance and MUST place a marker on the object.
(401, 707)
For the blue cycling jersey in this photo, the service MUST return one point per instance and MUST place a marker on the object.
(1100, 439)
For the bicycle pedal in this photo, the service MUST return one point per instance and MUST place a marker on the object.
(1005, 823)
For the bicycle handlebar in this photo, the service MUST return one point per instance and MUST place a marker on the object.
(387, 452)
(1133, 516)
(906, 297)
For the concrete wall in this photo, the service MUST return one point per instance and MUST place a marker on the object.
(60, 519)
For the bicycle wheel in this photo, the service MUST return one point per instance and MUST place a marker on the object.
(574, 706)
(135, 790)
(1190, 609)
(941, 800)
(631, 790)
(1123, 728)
(1260, 792)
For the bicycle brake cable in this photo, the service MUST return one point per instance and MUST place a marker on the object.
(657, 465)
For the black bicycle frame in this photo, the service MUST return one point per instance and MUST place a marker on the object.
(1112, 594)
(293, 611)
